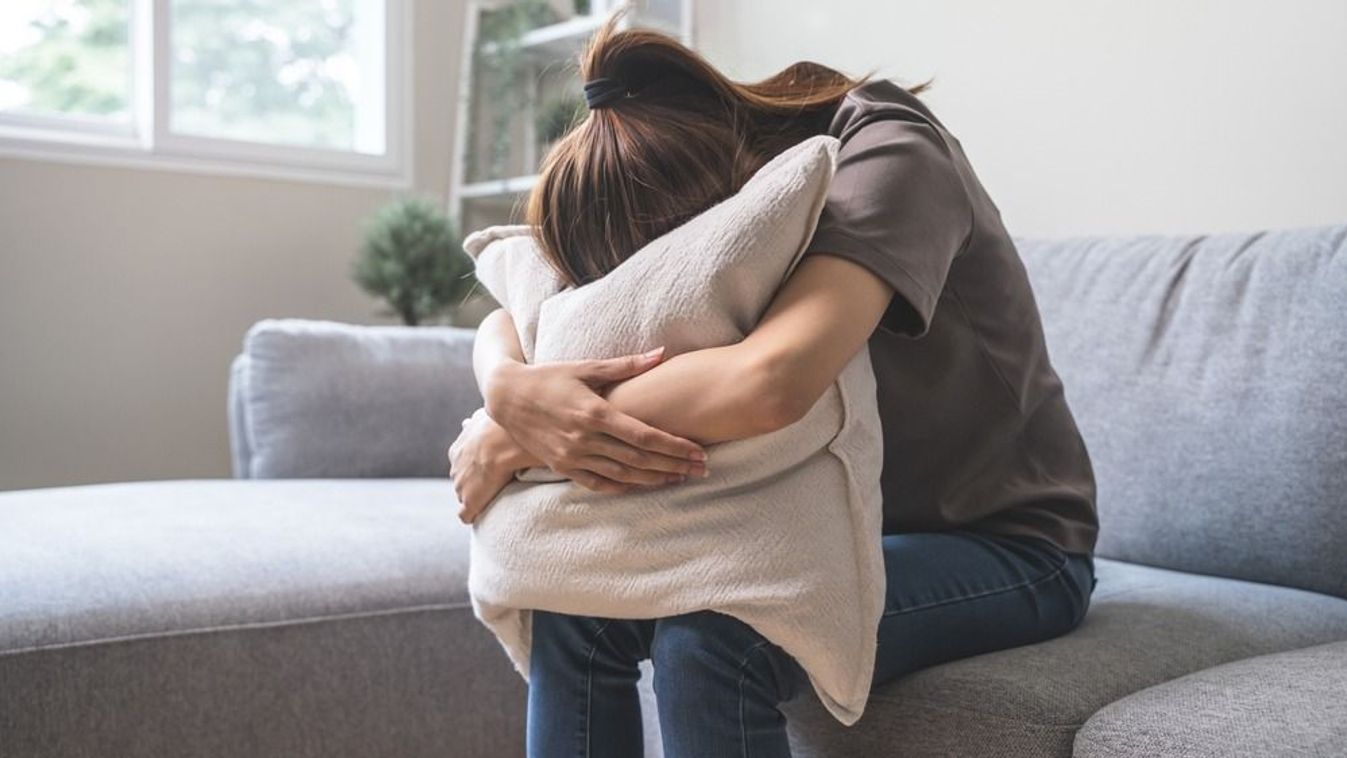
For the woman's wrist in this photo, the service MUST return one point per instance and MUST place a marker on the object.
(504, 453)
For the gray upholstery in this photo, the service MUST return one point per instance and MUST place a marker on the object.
(319, 399)
(1145, 626)
(1292, 704)
(233, 618)
(1207, 374)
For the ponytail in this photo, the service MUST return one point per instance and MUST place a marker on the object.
(667, 137)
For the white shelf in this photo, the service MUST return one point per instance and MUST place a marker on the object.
(543, 48)
(566, 38)
(559, 39)
(495, 188)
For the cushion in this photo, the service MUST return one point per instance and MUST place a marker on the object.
(319, 399)
(1146, 626)
(1206, 374)
(1292, 703)
(221, 618)
(785, 532)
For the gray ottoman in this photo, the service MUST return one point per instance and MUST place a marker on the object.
(223, 619)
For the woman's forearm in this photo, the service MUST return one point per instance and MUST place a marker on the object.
(712, 395)
(705, 396)
(821, 317)
(495, 346)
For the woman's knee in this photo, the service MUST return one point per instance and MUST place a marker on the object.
(702, 651)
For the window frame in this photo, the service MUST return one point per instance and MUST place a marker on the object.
(148, 142)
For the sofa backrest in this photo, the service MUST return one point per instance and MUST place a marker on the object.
(1209, 378)
(316, 399)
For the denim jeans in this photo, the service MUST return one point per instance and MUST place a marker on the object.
(718, 683)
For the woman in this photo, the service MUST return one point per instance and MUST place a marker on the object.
(989, 518)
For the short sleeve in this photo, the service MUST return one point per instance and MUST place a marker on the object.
(897, 206)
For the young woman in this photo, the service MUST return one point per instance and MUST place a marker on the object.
(989, 517)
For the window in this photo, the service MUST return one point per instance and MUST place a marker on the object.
(66, 59)
(313, 87)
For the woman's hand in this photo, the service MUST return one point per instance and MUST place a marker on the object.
(481, 462)
(558, 414)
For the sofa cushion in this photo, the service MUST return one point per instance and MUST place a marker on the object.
(129, 560)
(219, 618)
(1206, 374)
(320, 399)
(1145, 626)
(1292, 703)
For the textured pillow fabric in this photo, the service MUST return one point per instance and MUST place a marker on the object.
(785, 532)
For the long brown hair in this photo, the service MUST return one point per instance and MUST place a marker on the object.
(683, 138)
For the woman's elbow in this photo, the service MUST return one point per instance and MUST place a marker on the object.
(775, 399)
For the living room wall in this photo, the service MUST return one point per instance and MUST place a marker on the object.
(1094, 117)
(125, 292)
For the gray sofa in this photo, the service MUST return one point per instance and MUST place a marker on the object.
(316, 606)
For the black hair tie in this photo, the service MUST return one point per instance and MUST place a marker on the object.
(603, 90)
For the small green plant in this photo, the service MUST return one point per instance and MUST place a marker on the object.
(413, 259)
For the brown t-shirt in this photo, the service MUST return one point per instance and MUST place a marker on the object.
(977, 432)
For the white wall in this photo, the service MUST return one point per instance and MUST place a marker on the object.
(1084, 117)
(125, 292)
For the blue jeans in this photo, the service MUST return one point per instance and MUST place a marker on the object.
(718, 683)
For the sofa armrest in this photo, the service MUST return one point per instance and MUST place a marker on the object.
(316, 399)
(1287, 703)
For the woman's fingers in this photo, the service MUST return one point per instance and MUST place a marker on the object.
(624, 474)
(612, 370)
(468, 515)
(596, 483)
(617, 450)
(639, 434)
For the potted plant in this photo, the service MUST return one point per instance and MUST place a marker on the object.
(412, 258)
